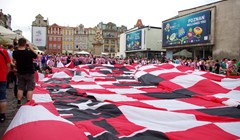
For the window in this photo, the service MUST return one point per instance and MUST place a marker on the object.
(106, 48)
(50, 46)
(112, 49)
(54, 39)
(54, 46)
(59, 46)
(59, 38)
(113, 41)
(50, 38)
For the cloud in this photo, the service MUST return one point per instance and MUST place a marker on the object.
(91, 12)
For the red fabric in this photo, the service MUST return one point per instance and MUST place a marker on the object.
(45, 130)
(206, 132)
(3, 65)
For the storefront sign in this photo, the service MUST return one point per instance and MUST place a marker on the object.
(191, 29)
(134, 40)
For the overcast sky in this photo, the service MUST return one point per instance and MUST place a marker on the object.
(91, 12)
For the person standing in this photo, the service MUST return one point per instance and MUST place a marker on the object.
(24, 56)
(4, 69)
(10, 76)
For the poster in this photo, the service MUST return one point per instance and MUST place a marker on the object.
(134, 40)
(39, 36)
(190, 29)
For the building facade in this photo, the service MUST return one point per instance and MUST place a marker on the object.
(39, 32)
(68, 39)
(91, 32)
(80, 38)
(54, 39)
(110, 34)
(218, 31)
(141, 42)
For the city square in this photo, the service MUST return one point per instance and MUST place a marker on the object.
(179, 80)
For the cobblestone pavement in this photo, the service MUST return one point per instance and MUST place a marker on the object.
(11, 111)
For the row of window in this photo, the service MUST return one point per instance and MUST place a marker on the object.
(67, 39)
(109, 41)
(54, 38)
(54, 46)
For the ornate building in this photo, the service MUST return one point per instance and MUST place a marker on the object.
(54, 39)
(39, 32)
(80, 38)
(110, 33)
(83, 38)
(5, 20)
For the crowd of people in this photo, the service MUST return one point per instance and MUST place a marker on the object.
(18, 64)
(45, 62)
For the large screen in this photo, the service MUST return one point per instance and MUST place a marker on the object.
(190, 29)
(134, 40)
(39, 36)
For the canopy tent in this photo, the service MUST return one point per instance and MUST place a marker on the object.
(184, 53)
(7, 35)
(4, 31)
(81, 52)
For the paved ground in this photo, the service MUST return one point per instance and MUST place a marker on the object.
(11, 111)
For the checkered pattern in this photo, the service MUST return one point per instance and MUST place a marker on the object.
(108, 102)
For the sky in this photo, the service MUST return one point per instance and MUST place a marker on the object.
(91, 12)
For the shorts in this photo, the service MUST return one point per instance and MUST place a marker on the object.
(3, 88)
(26, 82)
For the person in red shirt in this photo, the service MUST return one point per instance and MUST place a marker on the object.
(4, 69)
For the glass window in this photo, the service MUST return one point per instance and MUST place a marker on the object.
(59, 46)
(50, 46)
(113, 41)
(54, 39)
(54, 46)
(50, 38)
(59, 38)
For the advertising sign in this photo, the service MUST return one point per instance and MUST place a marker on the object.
(190, 29)
(39, 36)
(134, 40)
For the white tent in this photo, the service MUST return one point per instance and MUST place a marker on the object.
(183, 53)
(7, 35)
(81, 52)
(6, 32)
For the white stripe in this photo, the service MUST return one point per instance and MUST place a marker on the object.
(158, 120)
(38, 98)
(172, 104)
(27, 114)
(187, 81)
(230, 127)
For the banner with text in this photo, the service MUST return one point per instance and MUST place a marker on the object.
(190, 29)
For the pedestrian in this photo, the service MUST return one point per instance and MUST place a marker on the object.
(10, 76)
(25, 70)
(4, 69)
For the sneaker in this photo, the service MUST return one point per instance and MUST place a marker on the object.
(2, 118)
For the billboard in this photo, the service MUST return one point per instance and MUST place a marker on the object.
(190, 29)
(39, 36)
(134, 40)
